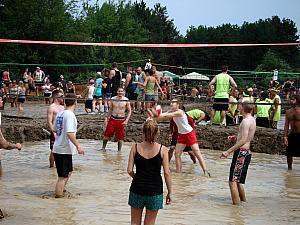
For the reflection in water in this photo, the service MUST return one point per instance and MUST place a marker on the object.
(99, 186)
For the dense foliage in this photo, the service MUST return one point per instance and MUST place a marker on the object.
(133, 22)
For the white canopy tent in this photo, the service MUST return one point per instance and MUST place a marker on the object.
(195, 76)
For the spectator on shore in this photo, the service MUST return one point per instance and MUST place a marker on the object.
(38, 76)
(90, 94)
(98, 92)
(25, 79)
(275, 108)
(223, 81)
(108, 89)
(21, 97)
(47, 89)
(31, 84)
(71, 88)
(13, 93)
(262, 110)
(6, 77)
(232, 109)
(116, 77)
(62, 83)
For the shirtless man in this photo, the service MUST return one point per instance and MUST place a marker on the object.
(292, 139)
(115, 120)
(56, 107)
(186, 135)
(242, 154)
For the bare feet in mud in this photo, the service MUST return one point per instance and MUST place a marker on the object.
(50, 194)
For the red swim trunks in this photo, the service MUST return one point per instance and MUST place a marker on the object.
(187, 139)
(116, 127)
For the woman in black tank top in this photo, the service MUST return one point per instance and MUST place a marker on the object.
(146, 190)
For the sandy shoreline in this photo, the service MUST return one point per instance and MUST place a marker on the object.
(32, 127)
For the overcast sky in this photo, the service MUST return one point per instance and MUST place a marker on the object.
(216, 12)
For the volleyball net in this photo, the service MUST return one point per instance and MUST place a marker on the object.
(88, 70)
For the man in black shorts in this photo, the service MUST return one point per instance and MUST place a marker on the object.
(242, 154)
(66, 144)
(223, 82)
(292, 137)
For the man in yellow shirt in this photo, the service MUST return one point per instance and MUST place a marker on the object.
(262, 109)
(223, 83)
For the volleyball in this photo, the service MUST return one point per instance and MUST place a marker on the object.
(156, 110)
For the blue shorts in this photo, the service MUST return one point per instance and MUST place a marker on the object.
(149, 97)
(149, 202)
(107, 95)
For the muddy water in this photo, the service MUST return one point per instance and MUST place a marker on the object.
(99, 189)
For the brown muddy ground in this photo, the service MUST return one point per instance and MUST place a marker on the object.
(31, 126)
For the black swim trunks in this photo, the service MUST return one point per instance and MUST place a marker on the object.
(89, 104)
(263, 122)
(229, 120)
(64, 164)
(239, 165)
(293, 148)
(221, 104)
(52, 139)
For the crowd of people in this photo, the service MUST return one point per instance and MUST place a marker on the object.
(139, 92)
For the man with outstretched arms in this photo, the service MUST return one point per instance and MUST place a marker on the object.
(186, 135)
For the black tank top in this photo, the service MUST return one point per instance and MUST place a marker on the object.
(70, 90)
(117, 78)
(147, 179)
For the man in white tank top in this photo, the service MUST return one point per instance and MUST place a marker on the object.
(186, 135)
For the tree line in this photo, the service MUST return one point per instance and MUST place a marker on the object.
(135, 22)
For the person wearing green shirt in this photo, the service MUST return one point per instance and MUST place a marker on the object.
(275, 108)
(232, 109)
(262, 110)
(197, 115)
(223, 83)
(217, 118)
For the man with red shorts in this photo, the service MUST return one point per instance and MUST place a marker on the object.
(116, 120)
(186, 136)
(174, 135)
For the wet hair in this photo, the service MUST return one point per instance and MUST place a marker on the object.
(297, 97)
(150, 131)
(224, 68)
(56, 93)
(70, 99)
(150, 71)
(247, 106)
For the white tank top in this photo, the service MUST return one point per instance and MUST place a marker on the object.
(183, 124)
